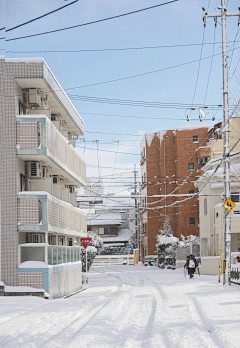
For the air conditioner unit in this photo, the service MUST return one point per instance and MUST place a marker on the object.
(202, 160)
(34, 170)
(34, 97)
(56, 179)
(56, 117)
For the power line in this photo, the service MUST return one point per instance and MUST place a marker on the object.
(142, 103)
(35, 19)
(146, 73)
(93, 22)
(117, 49)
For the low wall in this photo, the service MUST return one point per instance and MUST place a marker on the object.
(108, 260)
(182, 253)
(57, 281)
(180, 263)
(210, 265)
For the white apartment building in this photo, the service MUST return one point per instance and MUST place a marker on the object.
(40, 171)
(211, 211)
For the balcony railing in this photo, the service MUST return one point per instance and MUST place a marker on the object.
(41, 212)
(49, 254)
(37, 136)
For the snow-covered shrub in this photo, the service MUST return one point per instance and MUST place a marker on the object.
(166, 242)
(93, 248)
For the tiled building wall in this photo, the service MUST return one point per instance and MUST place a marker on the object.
(78, 276)
(54, 283)
(33, 279)
(71, 278)
(8, 174)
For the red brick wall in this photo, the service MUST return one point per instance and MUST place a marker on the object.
(167, 161)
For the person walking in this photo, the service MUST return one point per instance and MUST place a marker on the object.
(191, 265)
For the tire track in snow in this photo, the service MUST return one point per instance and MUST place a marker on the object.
(208, 326)
(65, 336)
(50, 324)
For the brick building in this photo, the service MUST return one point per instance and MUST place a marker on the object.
(171, 161)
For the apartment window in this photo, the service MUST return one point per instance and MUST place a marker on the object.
(106, 230)
(190, 166)
(191, 192)
(113, 230)
(235, 197)
(89, 229)
(236, 212)
(216, 215)
(195, 139)
(205, 206)
(192, 221)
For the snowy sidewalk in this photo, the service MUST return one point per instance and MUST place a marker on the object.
(127, 306)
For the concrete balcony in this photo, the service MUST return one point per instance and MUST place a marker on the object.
(39, 140)
(41, 212)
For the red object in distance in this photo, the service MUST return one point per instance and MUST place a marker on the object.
(85, 242)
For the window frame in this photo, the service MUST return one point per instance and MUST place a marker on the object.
(195, 141)
(193, 220)
(190, 169)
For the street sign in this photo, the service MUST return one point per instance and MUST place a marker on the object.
(85, 242)
(128, 246)
(228, 205)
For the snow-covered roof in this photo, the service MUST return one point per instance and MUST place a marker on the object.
(234, 171)
(192, 126)
(215, 161)
(123, 236)
(104, 219)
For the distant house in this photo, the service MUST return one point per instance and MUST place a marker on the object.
(110, 222)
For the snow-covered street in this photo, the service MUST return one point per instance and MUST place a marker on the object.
(127, 306)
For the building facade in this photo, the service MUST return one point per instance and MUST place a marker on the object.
(211, 211)
(40, 171)
(171, 161)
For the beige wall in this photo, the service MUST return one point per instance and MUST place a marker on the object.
(234, 126)
(95, 230)
(235, 228)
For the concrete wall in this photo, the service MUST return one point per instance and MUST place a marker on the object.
(210, 265)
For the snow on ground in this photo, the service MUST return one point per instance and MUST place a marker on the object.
(130, 307)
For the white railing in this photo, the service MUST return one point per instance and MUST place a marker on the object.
(37, 135)
(49, 254)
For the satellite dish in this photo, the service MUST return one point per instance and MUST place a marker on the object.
(202, 112)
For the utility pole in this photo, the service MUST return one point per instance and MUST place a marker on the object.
(136, 206)
(226, 147)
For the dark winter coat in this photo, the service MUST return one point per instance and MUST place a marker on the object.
(191, 270)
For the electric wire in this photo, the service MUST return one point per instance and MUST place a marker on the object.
(93, 22)
(117, 49)
(146, 73)
(46, 14)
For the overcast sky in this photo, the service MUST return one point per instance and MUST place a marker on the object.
(178, 23)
